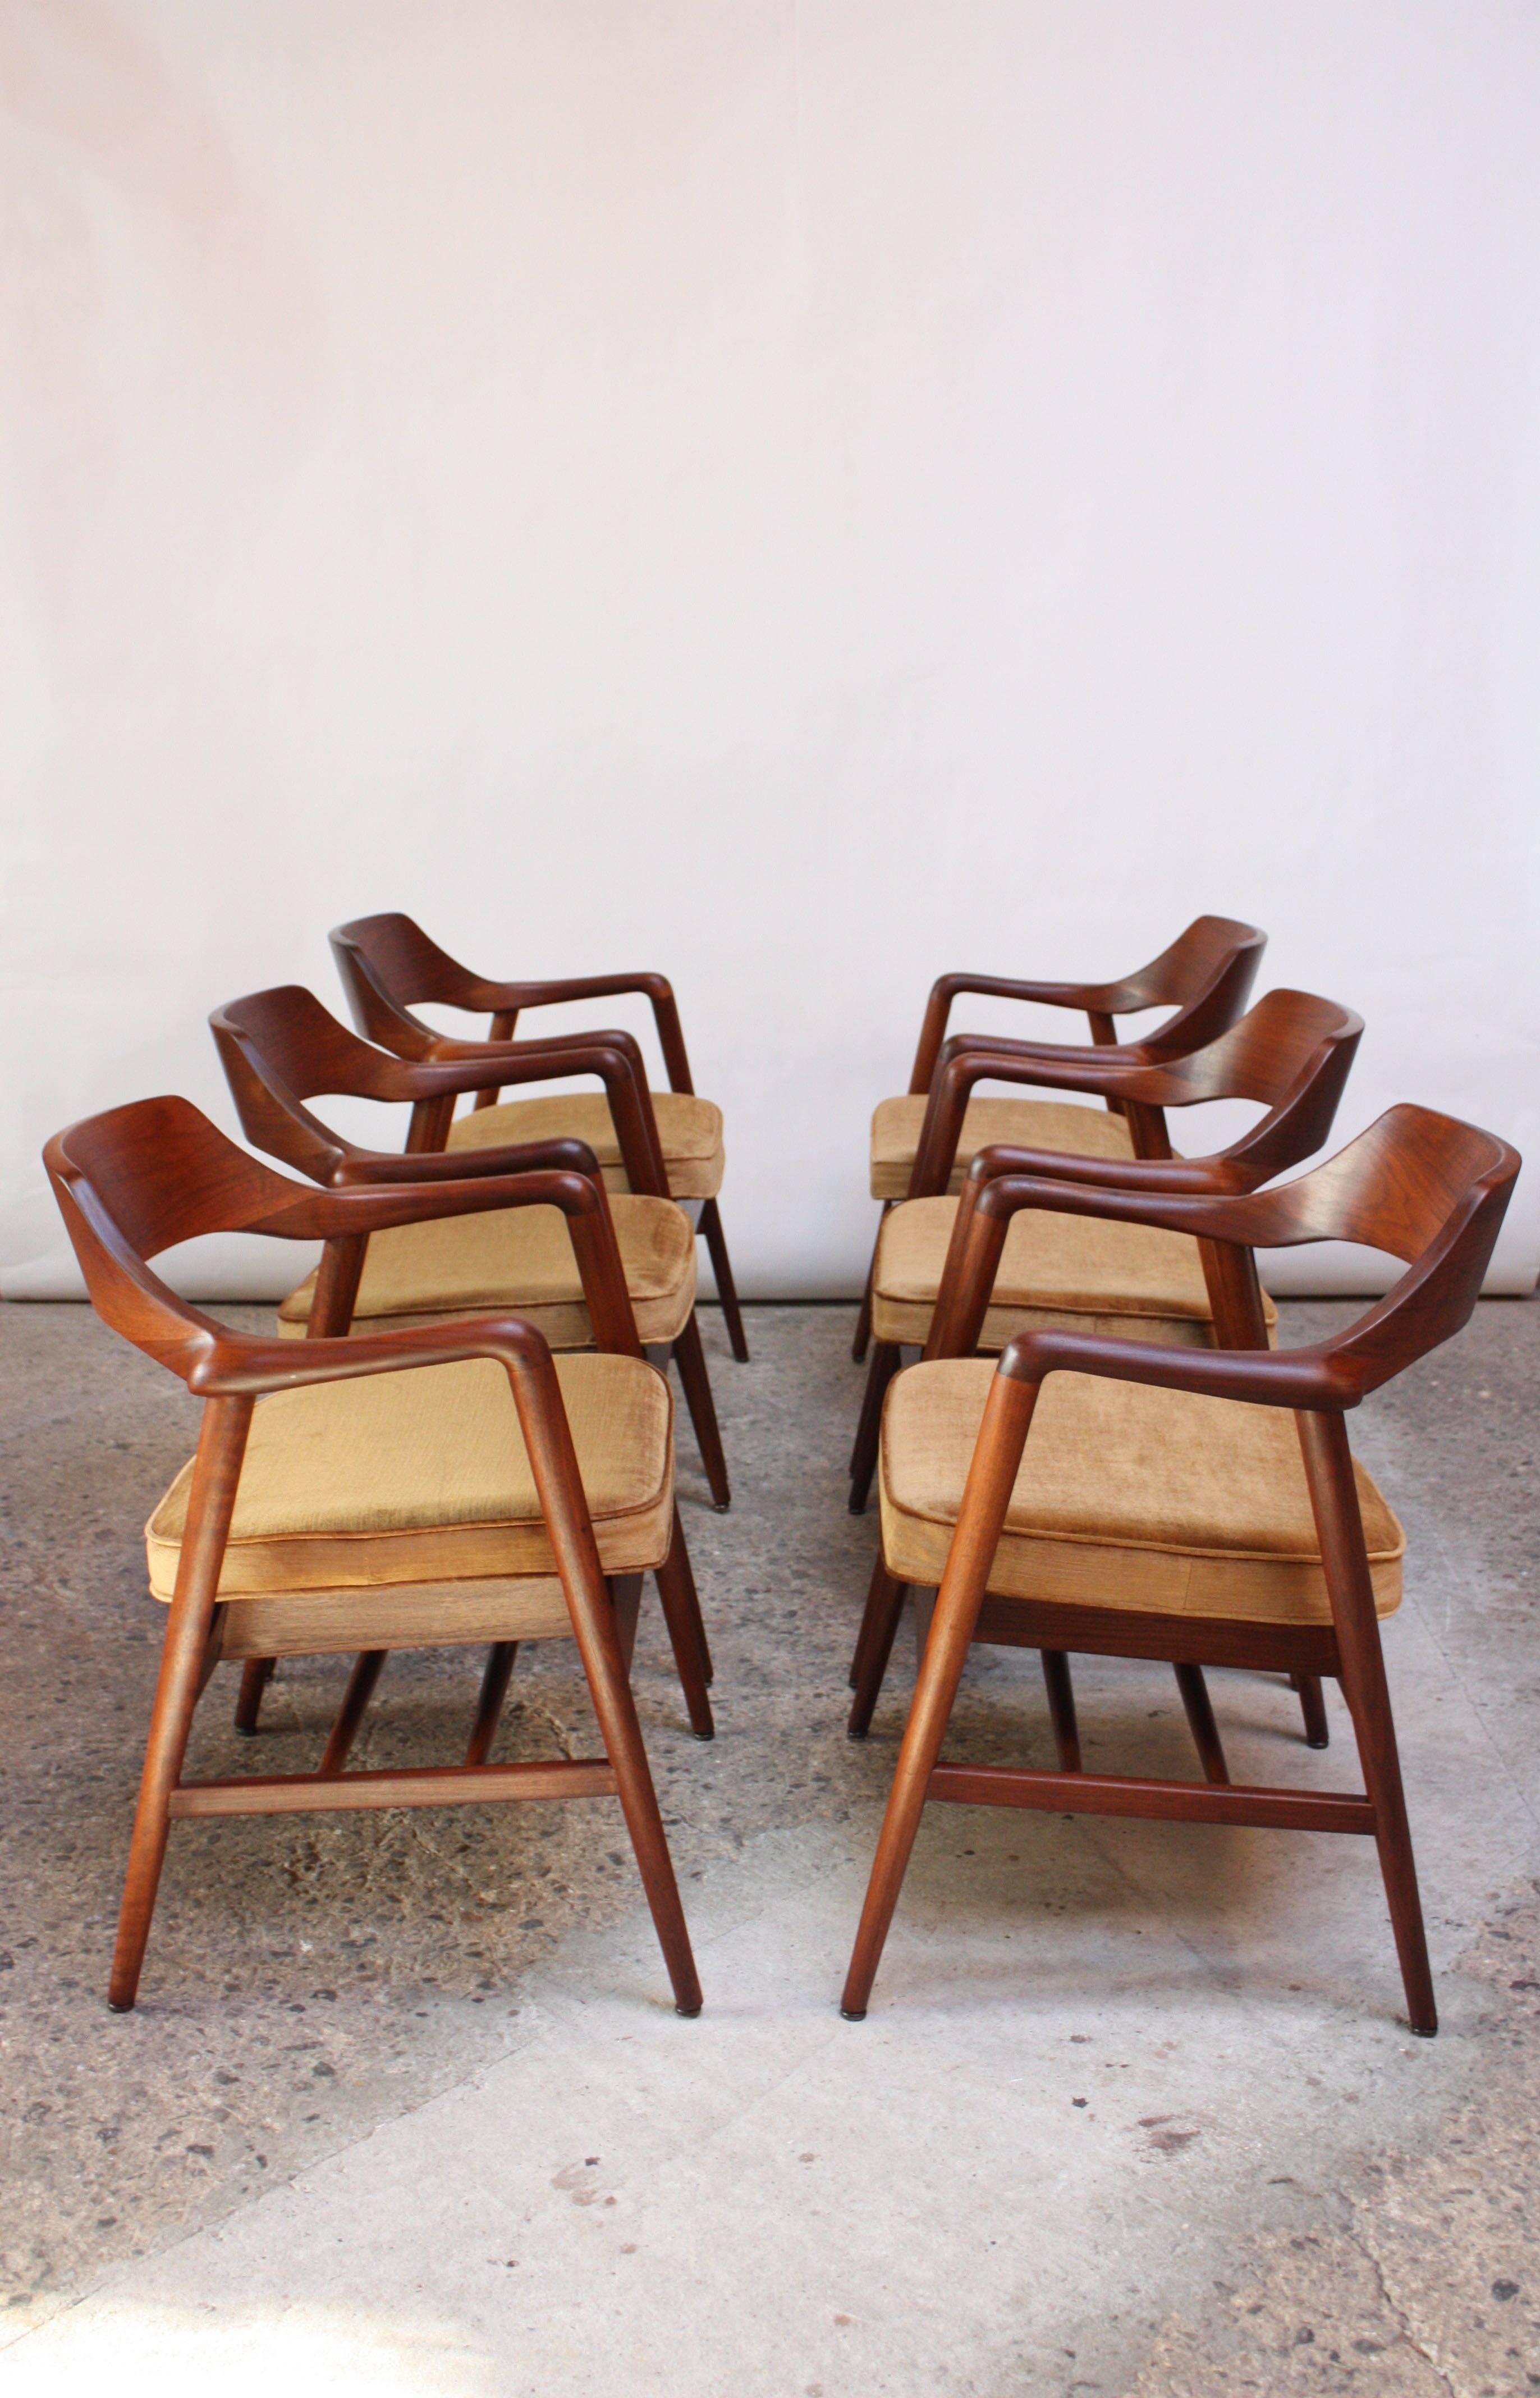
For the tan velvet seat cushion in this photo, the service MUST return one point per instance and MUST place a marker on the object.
(1127, 1497)
(1132, 1281)
(690, 1129)
(1028, 1123)
(423, 1478)
(520, 1259)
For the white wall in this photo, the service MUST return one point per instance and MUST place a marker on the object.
(799, 493)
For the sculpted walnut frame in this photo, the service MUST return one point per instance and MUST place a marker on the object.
(1205, 975)
(140, 1180)
(389, 967)
(1291, 1052)
(1426, 1189)
(280, 1048)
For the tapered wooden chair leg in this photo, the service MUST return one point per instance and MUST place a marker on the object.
(625, 1597)
(1339, 1527)
(727, 1289)
(1061, 1708)
(215, 1473)
(871, 1617)
(368, 1666)
(690, 1357)
(256, 1674)
(886, 1359)
(549, 1445)
(1312, 1706)
(990, 1482)
(875, 1646)
(488, 1707)
(616, 1710)
(1200, 1723)
(863, 1321)
(681, 1606)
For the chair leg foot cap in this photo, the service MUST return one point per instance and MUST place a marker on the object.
(853, 2015)
(702, 1735)
(1318, 1744)
(852, 1734)
(1424, 2031)
(689, 2013)
(855, 1506)
(120, 2006)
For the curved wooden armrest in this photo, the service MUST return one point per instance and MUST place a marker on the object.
(344, 1219)
(551, 992)
(564, 1155)
(1083, 995)
(1106, 1073)
(1311, 1379)
(509, 999)
(1207, 1216)
(615, 1058)
(1117, 1056)
(486, 1062)
(359, 1210)
(988, 1203)
(1100, 1001)
(235, 1364)
(1180, 1176)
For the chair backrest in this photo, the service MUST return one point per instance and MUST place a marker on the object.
(1206, 974)
(388, 966)
(138, 1180)
(1293, 1052)
(281, 1048)
(1422, 1187)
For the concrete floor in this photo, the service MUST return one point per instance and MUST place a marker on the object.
(404, 2109)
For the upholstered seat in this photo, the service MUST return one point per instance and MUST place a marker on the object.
(1132, 1281)
(1127, 1497)
(1027, 1124)
(422, 1478)
(689, 1130)
(521, 1260)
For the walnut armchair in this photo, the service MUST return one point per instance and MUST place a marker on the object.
(281, 1048)
(1025, 1492)
(389, 967)
(1290, 1054)
(341, 1491)
(1206, 976)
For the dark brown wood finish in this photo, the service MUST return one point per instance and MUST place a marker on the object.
(1424, 1188)
(281, 1048)
(133, 1183)
(1292, 1054)
(1206, 975)
(389, 967)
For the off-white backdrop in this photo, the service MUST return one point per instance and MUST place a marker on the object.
(799, 493)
